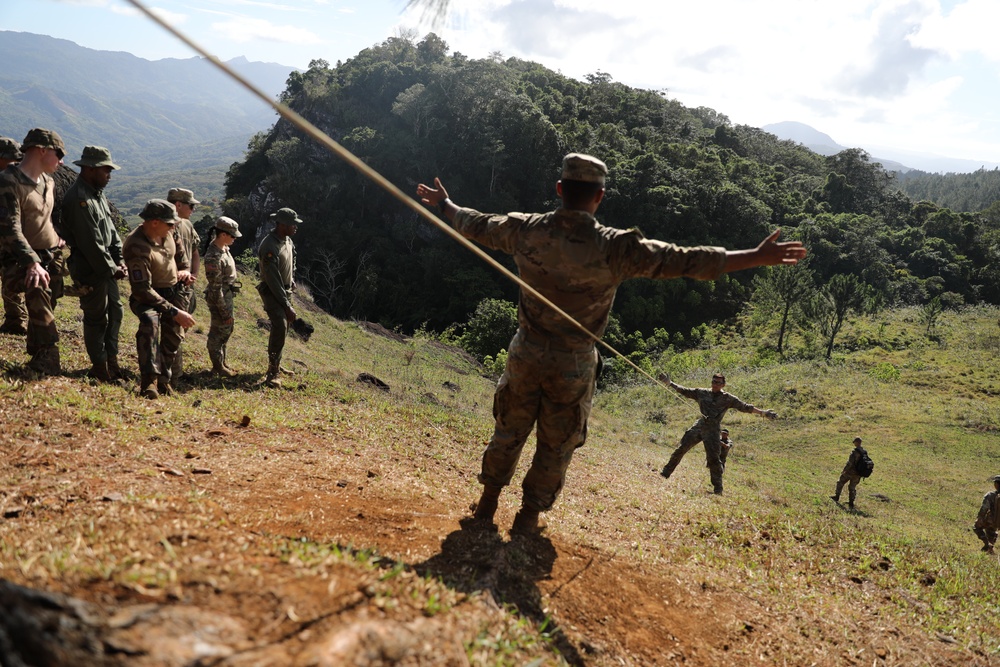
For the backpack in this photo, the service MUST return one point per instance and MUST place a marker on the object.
(864, 465)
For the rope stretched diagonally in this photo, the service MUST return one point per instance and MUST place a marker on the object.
(323, 139)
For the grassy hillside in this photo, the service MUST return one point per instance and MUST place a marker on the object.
(322, 522)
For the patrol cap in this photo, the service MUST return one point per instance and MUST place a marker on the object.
(95, 156)
(43, 138)
(182, 195)
(159, 209)
(857, 440)
(286, 216)
(229, 226)
(586, 168)
(10, 149)
(995, 479)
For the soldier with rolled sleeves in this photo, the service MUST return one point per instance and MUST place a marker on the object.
(577, 263)
(850, 476)
(277, 276)
(220, 273)
(713, 404)
(154, 272)
(988, 520)
(15, 314)
(96, 262)
(185, 235)
(31, 252)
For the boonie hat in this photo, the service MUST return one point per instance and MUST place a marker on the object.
(95, 156)
(586, 168)
(286, 216)
(43, 138)
(229, 226)
(10, 149)
(182, 195)
(159, 209)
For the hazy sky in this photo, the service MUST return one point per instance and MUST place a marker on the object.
(919, 75)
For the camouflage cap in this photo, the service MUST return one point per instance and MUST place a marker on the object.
(10, 149)
(182, 195)
(229, 226)
(586, 168)
(286, 216)
(995, 479)
(159, 209)
(44, 139)
(95, 156)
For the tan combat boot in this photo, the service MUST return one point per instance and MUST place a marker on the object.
(46, 361)
(100, 372)
(487, 505)
(527, 522)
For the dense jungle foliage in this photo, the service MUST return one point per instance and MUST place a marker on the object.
(960, 192)
(495, 131)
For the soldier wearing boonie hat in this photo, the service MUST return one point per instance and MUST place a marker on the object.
(186, 236)
(988, 521)
(31, 252)
(551, 361)
(96, 263)
(220, 273)
(277, 275)
(155, 266)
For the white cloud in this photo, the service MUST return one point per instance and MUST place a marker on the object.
(246, 29)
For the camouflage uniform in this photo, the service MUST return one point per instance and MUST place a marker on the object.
(184, 236)
(713, 407)
(27, 236)
(15, 314)
(152, 271)
(577, 263)
(96, 255)
(726, 447)
(220, 272)
(850, 476)
(988, 520)
(277, 275)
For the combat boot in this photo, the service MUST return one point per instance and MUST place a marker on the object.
(148, 389)
(114, 369)
(163, 387)
(487, 505)
(225, 365)
(13, 328)
(100, 371)
(46, 361)
(527, 522)
(273, 379)
(219, 366)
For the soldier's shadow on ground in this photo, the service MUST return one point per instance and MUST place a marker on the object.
(854, 511)
(474, 559)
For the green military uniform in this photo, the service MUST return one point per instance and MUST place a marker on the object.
(91, 233)
(277, 275)
(186, 237)
(988, 520)
(27, 236)
(15, 314)
(726, 447)
(152, 271)
(713, 407)
(577, 263)
(849, 475)
(220, 273)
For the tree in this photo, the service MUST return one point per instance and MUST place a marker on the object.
(831, 305)
(490, 328)
(782, 290)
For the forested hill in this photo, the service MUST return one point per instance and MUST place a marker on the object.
(975, 191)
(495, 131)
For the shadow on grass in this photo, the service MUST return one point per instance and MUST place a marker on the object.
(475, 558)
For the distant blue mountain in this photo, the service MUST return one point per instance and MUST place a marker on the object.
(891, 159)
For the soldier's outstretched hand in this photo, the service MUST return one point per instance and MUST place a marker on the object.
(770, 414)
(664, 378)
(770, 252)
(432, 196)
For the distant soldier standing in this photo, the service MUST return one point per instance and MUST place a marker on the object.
(277, 281)
(727, 446)
(713, 404)
(31, 252)
(15, 314)
(96, 262)
(220, 272)
(850, 475)
(154, 273)
(988, 521)
(186, 236)
(577, 263)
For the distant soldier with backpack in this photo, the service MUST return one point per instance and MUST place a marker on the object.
(859, 465)
(988, 521)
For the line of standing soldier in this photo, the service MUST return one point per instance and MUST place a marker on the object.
(160, 257)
